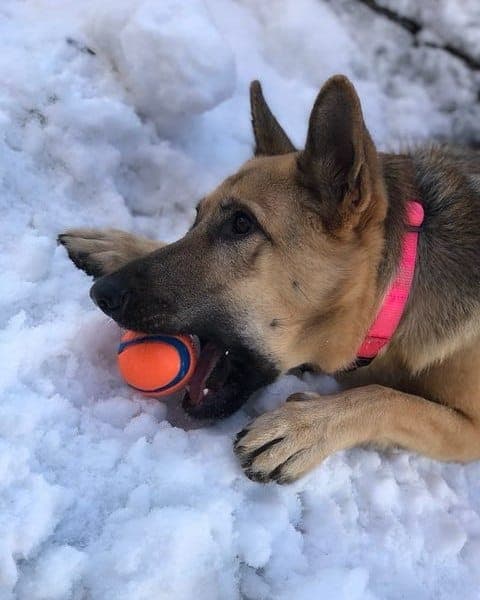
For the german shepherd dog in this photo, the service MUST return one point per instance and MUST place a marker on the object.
(287, 263)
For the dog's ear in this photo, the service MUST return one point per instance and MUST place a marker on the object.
(270, 139)
(339, 157)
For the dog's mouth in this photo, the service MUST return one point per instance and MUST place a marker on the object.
(227, 372)
(229, 368)
(223, 380)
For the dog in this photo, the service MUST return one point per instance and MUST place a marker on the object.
(288, 263)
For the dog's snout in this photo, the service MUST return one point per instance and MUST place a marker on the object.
(110, 295)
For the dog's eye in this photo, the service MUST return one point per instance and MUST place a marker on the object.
(242, 224)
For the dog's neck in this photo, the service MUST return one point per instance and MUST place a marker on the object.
(398, 172)
(360, 303)
(397, 264)
(399, 178)
(393, 304)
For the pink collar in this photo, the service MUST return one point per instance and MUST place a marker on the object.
(391, 310)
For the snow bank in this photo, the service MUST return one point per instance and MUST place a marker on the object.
(123, 114)
(169, 55)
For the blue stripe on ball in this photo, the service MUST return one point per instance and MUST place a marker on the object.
(180, 347)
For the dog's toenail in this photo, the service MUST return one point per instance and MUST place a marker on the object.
(240, 435)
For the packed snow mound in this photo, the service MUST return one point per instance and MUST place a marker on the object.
(123, 114)
(169, 55)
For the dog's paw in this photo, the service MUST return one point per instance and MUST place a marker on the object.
(282, 445)
(102, 251)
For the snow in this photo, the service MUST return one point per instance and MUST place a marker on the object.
(123, 114)
(149, 43)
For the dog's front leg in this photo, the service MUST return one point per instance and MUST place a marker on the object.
(283, 444)
(102, 251)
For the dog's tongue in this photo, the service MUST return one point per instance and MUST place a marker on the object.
(209, 357)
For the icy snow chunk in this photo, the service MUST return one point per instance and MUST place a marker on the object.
(255, 544)
(446, 536)
(13, 463)
(341, 584)
(383, 492)
(142, 425)
(471, 552)
(253, 586)
(29, 512)
(116, 411)
(32, 256)
(169, 553)
(170, 55)
(54, 574)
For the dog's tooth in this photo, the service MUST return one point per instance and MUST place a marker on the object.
(205, 391)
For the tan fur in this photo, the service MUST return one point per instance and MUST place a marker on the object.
(312, 291)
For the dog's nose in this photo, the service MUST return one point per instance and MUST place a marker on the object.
(110, 295)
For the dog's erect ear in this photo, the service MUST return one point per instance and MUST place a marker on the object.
(339, 150)
(270, 139)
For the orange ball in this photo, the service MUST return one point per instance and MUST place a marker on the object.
(156, 365)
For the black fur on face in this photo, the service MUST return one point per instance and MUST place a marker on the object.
(178, 290)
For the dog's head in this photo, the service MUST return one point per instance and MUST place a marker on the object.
(275, 271)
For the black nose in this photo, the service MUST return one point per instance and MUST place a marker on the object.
(110, 295)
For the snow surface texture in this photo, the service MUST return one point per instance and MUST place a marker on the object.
(123, 113)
